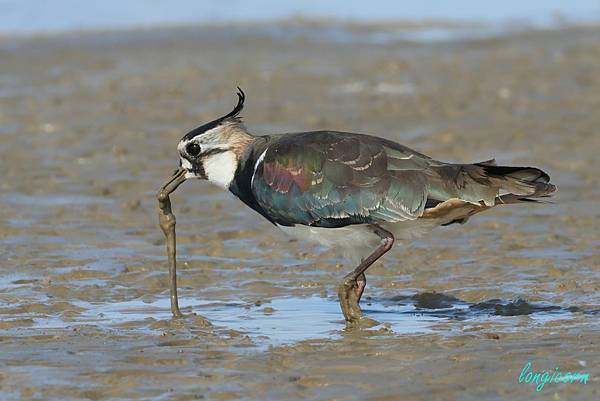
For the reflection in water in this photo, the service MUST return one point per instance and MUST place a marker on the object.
(432, 302)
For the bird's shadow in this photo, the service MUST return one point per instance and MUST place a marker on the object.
(443, 306)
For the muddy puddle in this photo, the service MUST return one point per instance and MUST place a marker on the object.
(89, 125)
(287, 320)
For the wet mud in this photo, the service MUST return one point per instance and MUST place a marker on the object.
(89, 124)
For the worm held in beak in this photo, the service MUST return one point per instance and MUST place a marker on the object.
(166, 219)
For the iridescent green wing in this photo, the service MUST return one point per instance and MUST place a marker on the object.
(331, 179)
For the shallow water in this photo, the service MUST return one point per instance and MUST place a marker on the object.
(288, 320)
(89, 126)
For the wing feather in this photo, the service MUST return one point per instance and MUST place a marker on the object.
(331, 179)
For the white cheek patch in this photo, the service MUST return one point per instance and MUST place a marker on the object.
(220, 168)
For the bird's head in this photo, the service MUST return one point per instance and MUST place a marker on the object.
(212, 151)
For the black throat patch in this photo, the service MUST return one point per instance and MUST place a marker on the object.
(241, 184)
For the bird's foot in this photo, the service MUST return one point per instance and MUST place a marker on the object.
(349, 292)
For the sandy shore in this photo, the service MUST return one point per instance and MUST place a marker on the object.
(89, 125)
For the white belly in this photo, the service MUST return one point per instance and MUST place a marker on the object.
(358, 240)
(354, 241)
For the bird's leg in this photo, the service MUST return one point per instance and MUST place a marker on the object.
(361, 283)
(166, 219)
(352, 287)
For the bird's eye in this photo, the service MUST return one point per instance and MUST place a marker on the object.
(193, 149)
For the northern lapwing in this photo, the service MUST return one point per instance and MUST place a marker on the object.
(357, 193)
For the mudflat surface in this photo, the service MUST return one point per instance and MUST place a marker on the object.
(89, 125)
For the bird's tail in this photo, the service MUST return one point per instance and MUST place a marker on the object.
(518, 183)
(487, 182)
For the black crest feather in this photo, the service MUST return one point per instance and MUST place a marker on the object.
(232, 114)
